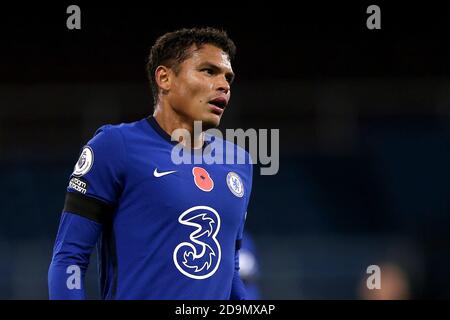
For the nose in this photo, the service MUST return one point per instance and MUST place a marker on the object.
(223, 85)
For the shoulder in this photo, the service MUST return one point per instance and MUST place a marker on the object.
(240, 157)
(108, 143)
(120, 128)
(116, 133)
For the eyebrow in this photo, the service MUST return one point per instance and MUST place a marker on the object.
(211, 65)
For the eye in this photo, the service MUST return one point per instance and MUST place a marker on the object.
(208, 71)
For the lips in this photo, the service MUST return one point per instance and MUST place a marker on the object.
(219, 102)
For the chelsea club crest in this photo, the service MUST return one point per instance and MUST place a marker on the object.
(235, 184)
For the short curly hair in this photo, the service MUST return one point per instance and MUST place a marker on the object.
(172, 48)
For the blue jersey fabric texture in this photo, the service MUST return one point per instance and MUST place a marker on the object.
(162, 230)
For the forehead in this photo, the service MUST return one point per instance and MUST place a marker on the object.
(208, 53)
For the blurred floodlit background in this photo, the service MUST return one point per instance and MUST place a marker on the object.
(364, 119)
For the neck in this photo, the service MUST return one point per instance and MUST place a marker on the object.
(169, 120)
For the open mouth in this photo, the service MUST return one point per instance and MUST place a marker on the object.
(219, 103)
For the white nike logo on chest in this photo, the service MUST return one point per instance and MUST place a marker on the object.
(161, 174)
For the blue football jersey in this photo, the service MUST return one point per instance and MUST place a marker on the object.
(167, 231)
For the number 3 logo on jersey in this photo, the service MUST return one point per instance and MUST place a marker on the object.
(199, 257)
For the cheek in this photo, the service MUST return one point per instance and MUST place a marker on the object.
(194, 89)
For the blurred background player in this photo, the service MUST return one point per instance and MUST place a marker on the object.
(249, 267)
(395, 284)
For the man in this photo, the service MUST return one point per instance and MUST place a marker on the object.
(249, 267)
(165, 231)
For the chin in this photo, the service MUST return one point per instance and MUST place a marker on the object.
(211, 121)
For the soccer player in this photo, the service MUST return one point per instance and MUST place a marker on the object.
(249, 267)
(163, 230)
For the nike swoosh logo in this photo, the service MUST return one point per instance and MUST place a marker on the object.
(161, 174)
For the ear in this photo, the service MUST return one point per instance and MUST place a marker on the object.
(163, 77)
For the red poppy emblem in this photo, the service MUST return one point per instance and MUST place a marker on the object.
(202, 179)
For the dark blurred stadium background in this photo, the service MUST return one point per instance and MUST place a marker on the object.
(364, 119)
